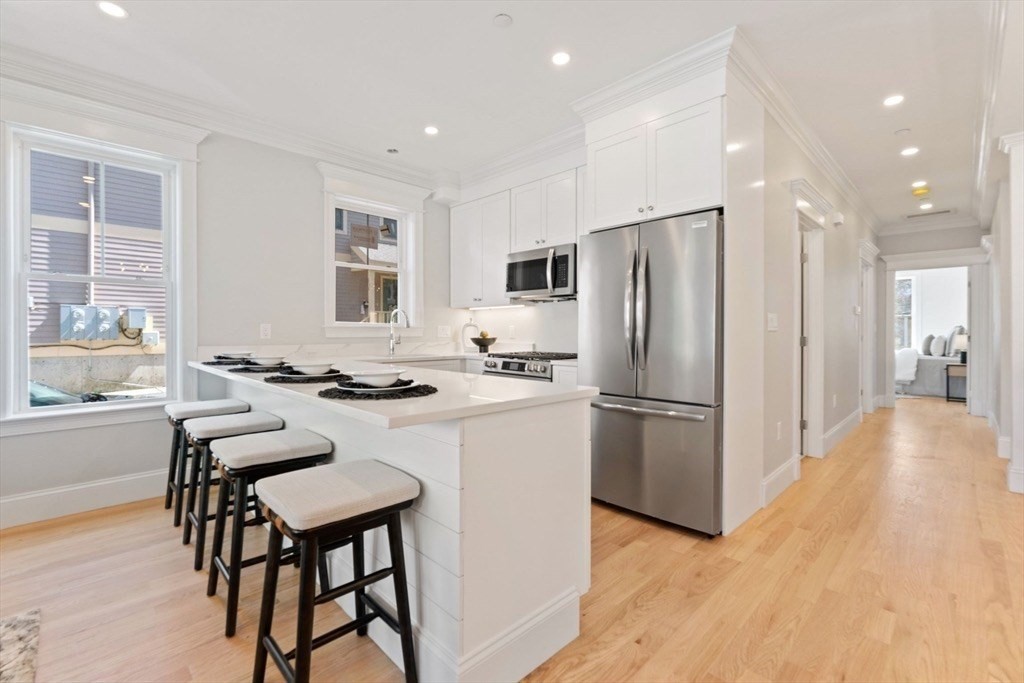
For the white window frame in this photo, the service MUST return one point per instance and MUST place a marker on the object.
(363, 193)
(915, 308)
(32, 109)
(23, 142)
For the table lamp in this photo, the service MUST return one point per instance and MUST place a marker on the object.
(960, 344)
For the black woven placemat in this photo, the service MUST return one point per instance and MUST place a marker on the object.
(224, 361)
(411, 392)
(289, 378)
(259, 369)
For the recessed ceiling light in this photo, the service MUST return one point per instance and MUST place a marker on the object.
(919, 183)
(502, 20)
(430, 130)
(392, 150)
(560, 58)
(910, 151)
(892, 100)
(112, 9)
(926, 206)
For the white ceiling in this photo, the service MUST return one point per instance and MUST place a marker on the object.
(371, 75)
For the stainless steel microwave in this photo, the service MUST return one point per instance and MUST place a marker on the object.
(547, 274)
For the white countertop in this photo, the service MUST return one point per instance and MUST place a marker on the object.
(459, 395)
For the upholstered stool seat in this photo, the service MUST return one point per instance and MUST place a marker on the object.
(176, 414)
(243, 461)
(201, 431)
(325, 507)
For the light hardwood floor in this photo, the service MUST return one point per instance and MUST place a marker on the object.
(899, 557)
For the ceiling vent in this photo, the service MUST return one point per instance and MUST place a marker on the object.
(929, 214)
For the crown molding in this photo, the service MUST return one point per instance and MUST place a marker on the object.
(27, 66)
(928, 225)
(802, 189)
(945, 258)
(568, 140)
(1008, 142)
(868, 252)
(995, 30)
(750, 68)
(702, 58)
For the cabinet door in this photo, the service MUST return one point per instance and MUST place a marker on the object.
(564, 374)
(559, 207)
(465, 264)
(684, 160)
(527, 217)
(616, 188)
(494, 238)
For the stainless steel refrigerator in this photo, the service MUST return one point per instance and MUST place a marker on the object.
(650, 306)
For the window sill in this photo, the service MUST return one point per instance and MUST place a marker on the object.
(368, 331)
(82, 418)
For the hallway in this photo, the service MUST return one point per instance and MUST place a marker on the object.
(898, 557)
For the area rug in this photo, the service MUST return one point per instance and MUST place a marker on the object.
(19, 645)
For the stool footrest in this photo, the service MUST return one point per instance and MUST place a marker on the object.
(287, 555)
(334, 634)
(346, 588)
(379, 611)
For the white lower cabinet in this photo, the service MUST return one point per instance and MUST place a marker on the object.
(473, 365)
(450, 365)
(564, 374)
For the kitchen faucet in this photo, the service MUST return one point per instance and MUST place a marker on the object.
(391, 330)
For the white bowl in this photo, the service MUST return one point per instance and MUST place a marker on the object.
(383, 377)
(310, 368)
(236, 355)
(266, 360)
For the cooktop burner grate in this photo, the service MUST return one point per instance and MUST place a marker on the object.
(534, 355)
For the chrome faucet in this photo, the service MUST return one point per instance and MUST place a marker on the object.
(391, 330)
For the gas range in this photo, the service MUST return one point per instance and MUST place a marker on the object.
(535, 365)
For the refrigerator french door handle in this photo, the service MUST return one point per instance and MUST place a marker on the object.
(670, 414)
(641, 311)
(550, 275)
(628, 312)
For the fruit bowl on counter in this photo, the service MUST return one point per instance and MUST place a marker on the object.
(483, 343)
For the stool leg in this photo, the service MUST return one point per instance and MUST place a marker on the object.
(204, 508)
(180, 481)
(237, 538)
(193, 484)
(259, 671)
(307, 593)
(402, 596)
(358, 573)
(172, 468)
(325, 574)
(218, 532)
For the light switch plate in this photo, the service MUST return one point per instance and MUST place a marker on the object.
(773, 322)
(265, 330)
(444, 331)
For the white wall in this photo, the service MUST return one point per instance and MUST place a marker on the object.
(940, 301)
(785, 161)
(930, 240)
(999, 283)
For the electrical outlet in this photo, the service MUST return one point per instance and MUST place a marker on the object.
(264, 330)
(511, 331)
(778, 431)
(835, 400)
(444, 331)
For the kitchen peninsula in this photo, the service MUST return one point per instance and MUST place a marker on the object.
(498, 543)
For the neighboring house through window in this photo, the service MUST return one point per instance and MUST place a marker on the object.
(905, 312)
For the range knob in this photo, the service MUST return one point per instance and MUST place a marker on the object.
(490, 364)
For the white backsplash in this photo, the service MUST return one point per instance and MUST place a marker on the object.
(551, 326)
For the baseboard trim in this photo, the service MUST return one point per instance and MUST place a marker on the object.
(36, 506)
(1002, 442)
(835, 435)
(880, 401)
(1015, 478)
(781, 479)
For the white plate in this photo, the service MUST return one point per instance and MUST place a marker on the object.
(332, 375)
(379, 390)
(377, 377)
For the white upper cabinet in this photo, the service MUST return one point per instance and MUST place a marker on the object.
(616, 179)
(684, 161)
(544, 212)
(667, 166)
(479, 252)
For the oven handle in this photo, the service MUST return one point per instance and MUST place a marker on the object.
(551, 277)
(671, 414)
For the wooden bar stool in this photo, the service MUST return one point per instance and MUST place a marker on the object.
(327, 505)
(241, 461)
(200, 432)
(177, 413)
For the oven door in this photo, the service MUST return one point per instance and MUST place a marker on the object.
(542, 273)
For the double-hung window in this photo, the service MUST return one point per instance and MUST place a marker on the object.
(368, 264)
(94, 238)
(904, 307)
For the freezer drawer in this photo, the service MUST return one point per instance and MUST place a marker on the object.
(662, 460)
